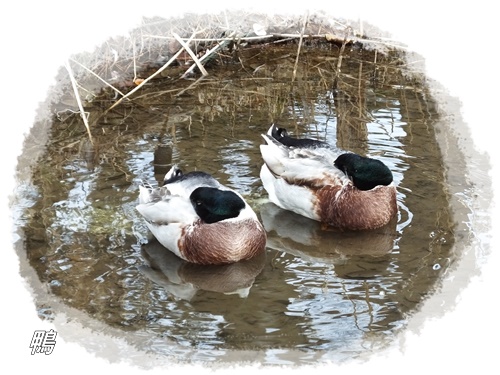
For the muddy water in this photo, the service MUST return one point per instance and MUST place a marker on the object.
(315, 289)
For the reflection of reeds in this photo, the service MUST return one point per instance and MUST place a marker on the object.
(247, 86)
(117, 63)
(301, 38)
(261, 93)
(339, 63)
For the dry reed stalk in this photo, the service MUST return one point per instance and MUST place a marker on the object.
(78, 100)
(135, 64)
(208, 54)
(306, 20)
(218, 40)
(98, 77)
(290, 36)
(170, 61)
(191, 53)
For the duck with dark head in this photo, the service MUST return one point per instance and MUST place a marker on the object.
(316, 180)
(200, 220)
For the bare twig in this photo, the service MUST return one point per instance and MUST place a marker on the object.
(290, 36)
(78, 100)
(172, 59)
(191, 53)
(98, 77)
(219, 40)
(207, 55)
(135, 64)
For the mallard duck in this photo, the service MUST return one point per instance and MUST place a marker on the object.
(200, 220)
(316, 180)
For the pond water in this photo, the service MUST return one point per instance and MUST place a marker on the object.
(326, 293)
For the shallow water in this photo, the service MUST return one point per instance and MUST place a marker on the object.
(315, 290)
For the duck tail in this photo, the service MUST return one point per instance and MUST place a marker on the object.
(145, 190)
(271, 130)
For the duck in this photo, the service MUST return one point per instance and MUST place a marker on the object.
(317, 180)
(201, 220)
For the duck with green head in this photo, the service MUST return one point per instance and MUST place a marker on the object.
(338, 188)
(200, 220)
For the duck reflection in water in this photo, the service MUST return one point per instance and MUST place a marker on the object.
(313, 242)
(184, 279)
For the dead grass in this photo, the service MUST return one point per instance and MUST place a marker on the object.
(183, 48)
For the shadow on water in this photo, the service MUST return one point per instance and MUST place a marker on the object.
(315, 288)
